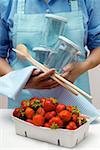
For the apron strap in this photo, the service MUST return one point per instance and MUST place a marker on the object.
(74, 5)
(21, 6)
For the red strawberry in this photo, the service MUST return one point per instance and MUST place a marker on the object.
(49, 106)
(55, 123)
(42, 101)
(29, 121)
(73, 109)
(29, 112)
(65, 115)
(71, 126)
(38, 120)
(81, 120)
(33, 99)
(76, 110)
(74, 117)
(53, 100)
(50, 115)
(47, 125)
(35, 104)
(19, 113)
(60, 107)
(69, 108)
(25, 104)
(40, 111)
(16, 111)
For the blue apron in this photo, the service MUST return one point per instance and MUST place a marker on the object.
(28, 29)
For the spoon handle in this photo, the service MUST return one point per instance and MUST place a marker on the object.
(45, 69)
(61, 79)
(65, 83)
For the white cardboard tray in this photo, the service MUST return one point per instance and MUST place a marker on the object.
(61, 137)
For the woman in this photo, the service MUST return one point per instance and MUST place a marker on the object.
(16, 27)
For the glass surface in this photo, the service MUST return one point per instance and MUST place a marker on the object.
(41, 54)
(64, 54)
(53, 28)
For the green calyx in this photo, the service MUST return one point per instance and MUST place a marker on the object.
(75, 110)
(81, 120)
(36, 104)
(54, 126)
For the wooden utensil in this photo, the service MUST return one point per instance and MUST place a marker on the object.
(22, 50)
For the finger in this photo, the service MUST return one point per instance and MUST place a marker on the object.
(49, 86)
(45, 75)
(48, 83)
(70, 79)
(51, 82)
(36, 72)
(66, 74)
(54, 86)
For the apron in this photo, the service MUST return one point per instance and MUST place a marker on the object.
(29, 30)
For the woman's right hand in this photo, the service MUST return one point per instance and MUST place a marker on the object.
(40, 80)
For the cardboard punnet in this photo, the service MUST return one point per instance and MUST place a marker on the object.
(61, 137)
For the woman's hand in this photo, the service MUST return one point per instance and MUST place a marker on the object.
(40, 80)
(72, 71)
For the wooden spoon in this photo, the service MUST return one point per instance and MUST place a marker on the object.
(22, 50)
(65, 83)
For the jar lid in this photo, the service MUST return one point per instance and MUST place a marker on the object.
(70, 43)
(41, 49)
(55, 17)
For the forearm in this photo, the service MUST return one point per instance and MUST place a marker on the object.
(4, 67)
(93, 60)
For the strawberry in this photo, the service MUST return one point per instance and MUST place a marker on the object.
(65, 115)
(49, 106)
(29, 112)
(40, 111)
(23, 116)
(53, 100)
(16, 112)
(19, 113)
(71, 126)
(32, 100)
(60, 107)
(76, 110)
(42, 101)
(47, 125)
(74, 117)
(69, 108)
(50, 115)
(38, 120)
(29, 121)
(72, 109)
(81, 120)
(25, 104)
(35, 104)
(55, 122)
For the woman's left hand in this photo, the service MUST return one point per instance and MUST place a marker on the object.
(72, 71)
